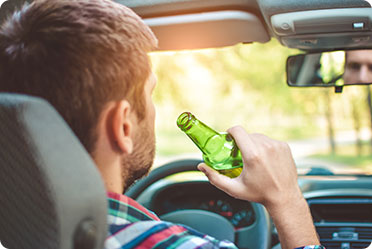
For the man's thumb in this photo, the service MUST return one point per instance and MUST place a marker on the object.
(205, 169)
(214, 177)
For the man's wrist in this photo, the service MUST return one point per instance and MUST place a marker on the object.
(283, 203)
(293, 221)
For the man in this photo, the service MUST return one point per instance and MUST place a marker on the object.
(88, 58)
(358, 67)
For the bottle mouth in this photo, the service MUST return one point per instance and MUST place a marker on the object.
(184, 121)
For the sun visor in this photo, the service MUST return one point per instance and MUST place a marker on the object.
(325, 29)
(207, 29)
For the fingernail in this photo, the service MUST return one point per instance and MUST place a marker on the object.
(202, 170)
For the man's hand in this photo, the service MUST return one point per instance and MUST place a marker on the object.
(269, 174)
(269, 177)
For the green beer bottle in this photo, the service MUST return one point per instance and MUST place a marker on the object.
(220, 151)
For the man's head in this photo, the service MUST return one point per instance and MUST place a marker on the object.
(358, 67)
(88, 58)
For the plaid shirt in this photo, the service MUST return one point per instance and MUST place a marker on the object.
(133, 226)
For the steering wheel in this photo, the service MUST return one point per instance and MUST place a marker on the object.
(255, 236)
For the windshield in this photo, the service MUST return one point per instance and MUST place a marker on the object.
(246, 85)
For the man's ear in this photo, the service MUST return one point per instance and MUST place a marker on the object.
(122, 126)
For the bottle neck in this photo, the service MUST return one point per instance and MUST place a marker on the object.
(198, 132)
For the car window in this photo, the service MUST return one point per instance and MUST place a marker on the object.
(246, 85)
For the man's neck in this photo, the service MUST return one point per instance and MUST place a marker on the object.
(110, 171)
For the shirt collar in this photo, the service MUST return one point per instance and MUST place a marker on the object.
(123, 210)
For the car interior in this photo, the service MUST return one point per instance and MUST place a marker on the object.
(31, 162)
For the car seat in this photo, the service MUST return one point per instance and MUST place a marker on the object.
(51, 193)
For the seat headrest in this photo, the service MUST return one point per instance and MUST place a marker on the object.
(51, 193)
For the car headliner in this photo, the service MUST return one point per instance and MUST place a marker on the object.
(247, 21)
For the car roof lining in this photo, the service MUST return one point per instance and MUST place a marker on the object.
(196, 24)
(272, 7)
(157, 8)
(332, 34)
(203, 30)
(257, 29)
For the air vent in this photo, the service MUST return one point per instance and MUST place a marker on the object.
(364, 233)
(326, 232)
(331, 245)
(345, 245)
(345, 237)
(343, 223)
(341, 210)
(358, 245)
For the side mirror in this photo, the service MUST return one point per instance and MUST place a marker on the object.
(330, 69)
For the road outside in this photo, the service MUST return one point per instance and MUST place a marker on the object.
(301, 151)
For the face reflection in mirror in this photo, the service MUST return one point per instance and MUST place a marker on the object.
(358, 67)
(329, 69)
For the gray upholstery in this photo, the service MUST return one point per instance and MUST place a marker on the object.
(272, 7)
(51, 193)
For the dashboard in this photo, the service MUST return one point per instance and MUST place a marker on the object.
(341, 206)
(198, 195)
(343, 222)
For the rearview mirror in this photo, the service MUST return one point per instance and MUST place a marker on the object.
(330, 69)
